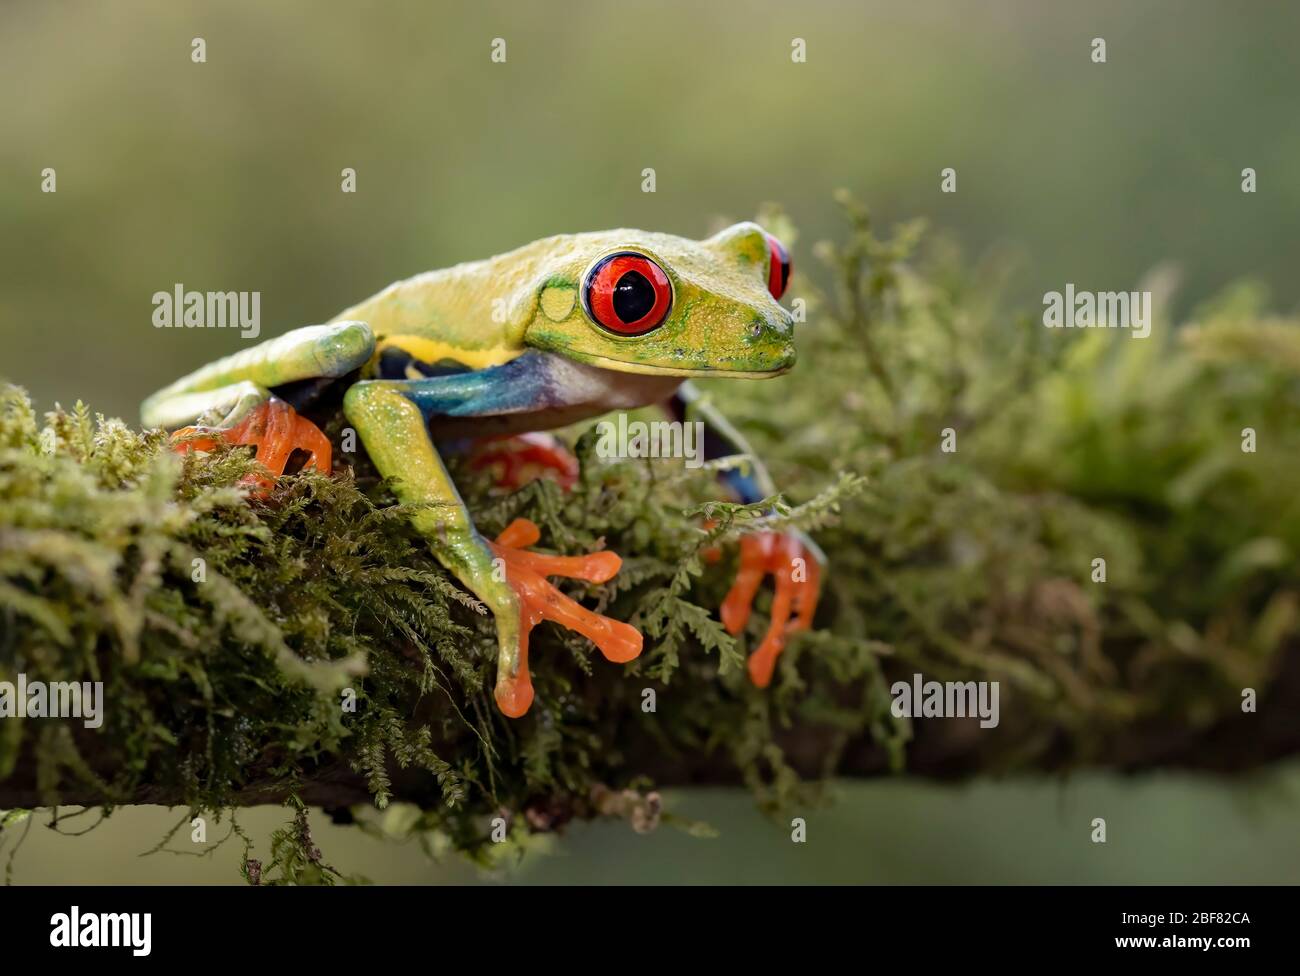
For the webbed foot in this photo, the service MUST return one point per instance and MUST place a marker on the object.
(526, 574)
(525, 457)
(275, 429)
(796, 563)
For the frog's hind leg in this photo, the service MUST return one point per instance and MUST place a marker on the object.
(391, 418)
(792, 559)
(233, 399)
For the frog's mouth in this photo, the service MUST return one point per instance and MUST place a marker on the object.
(704, 371)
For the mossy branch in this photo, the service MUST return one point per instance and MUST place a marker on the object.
(307, 647)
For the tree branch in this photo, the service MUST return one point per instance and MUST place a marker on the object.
(943, 749)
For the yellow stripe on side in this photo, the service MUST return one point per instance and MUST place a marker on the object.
(432, 351)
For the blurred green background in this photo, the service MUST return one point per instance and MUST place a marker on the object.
(1160, 829)
(225, 175)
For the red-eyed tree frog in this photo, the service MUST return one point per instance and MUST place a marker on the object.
(563, 329)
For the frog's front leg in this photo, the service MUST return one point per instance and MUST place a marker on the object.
(234, 398)
(794, 561)
(391, 417)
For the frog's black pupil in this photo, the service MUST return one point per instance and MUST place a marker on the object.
(634, 296)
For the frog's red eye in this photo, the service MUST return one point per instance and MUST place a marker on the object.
(778, 268)
(628, 294)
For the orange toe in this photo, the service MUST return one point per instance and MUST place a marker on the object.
(514, 695)
(275, 429)
(539, 600)
(798, 580)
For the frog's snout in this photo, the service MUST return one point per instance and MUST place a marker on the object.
(771, 341)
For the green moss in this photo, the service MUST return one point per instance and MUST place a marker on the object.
(230, 631)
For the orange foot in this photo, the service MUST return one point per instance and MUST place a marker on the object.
(798, 575)
(275, 429)
(524, 458)
(526, 573)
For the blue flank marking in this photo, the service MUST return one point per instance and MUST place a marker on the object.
(527, 383)
(742, 486)
(522, 384)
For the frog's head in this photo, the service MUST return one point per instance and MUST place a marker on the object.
(649, 303)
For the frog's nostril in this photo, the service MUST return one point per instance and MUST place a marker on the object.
(774, 327)
(781, 324)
